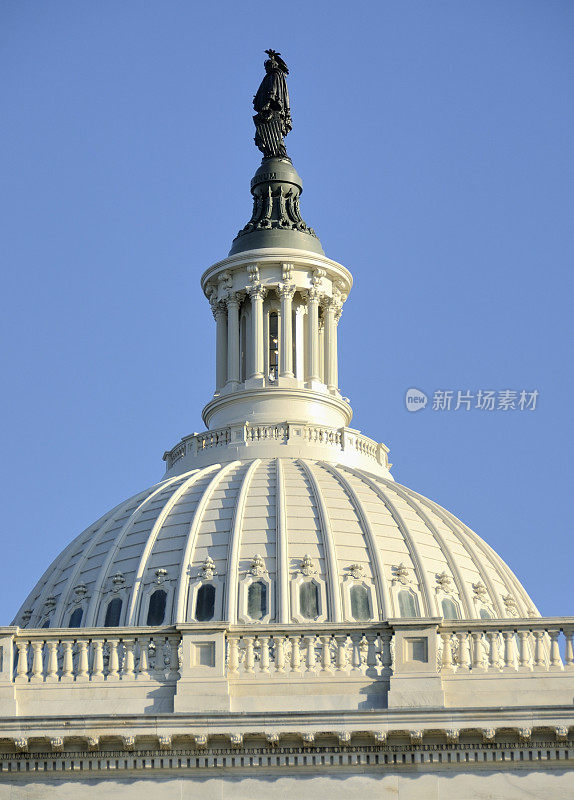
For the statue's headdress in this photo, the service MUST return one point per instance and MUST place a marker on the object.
(277, 61)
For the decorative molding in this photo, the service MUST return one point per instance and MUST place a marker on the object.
(208, 569)
(307, 566)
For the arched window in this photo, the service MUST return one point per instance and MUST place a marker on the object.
(408, 604)
(449, 609)
(485, 613)
(257, 600)
(156, 608)
(360, 606)
(205, 603)
(113, 613)
(76, 618)
(273, 345)
(309, 600)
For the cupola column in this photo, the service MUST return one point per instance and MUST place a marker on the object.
(331, 377)
(313, 296)
(286, 292)
(257, 292)
(232, 340)
(299, 338)
(220, 315)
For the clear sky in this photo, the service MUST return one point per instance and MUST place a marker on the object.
(435, 144)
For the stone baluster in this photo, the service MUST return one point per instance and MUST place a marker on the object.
(356, 663)
(539, 662)
(463, 654)
(159, 666)
(83, 674)
(232, 655)
(296, 653)
(313, 297)
(279, 653)
(373, 653)
(143, 664)
(523, 651)
(232, 340)
(97, 660)
(555, 660)
(569, 649)
(341, 658)
(286, 292)
(129, 661)
(477, 656)
(113, 663)
(446, 660)
(265, 660)
(493, 656)
(311, 656)
(22, 668)
(257, 292)
(52, 666)
(386, 654)
(67, 661)
(325, 653)
(37, 675)
(173, 673)
(508, 637)
(220, 314)
(249, 654)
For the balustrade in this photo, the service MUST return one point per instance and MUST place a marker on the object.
(62, 658)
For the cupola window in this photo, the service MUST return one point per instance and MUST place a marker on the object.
(113, 613)
(156, 608)
(273, 345)
(257, 600)
(449, 609)
(408, 604)
(309, 600)
(360, 606)
(205, 603)
(76, 618)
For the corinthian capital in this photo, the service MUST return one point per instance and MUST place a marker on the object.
(256, 290)
(218, 307)
(232, 299)
(286, 290)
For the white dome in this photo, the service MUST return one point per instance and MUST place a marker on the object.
(279, 522)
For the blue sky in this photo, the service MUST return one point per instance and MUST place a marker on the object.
(434, 140)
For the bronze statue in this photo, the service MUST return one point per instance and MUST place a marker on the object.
(273, 117)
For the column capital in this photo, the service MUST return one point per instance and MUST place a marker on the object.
(218, 307)
(256, 291)
(313, 294)
(232, 299)
(286, 290)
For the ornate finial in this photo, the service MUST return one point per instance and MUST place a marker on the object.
(271, 103)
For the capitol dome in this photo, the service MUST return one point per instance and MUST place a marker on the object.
(260, 540)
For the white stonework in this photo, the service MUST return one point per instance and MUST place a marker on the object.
(278, 616)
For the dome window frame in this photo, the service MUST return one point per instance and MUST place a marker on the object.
(356, 578)
(296, 614)
(159, 583)
(259, 575)
(218, 583)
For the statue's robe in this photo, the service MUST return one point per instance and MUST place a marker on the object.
(273, 118)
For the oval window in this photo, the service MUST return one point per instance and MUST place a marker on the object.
(205, 603)
(113, 613)
(156, 608)
(408, 604)
(309, 600)
(76, 618)
(257, 600)
(360, 606)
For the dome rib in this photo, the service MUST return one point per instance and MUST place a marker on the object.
(182, 586)
(409, 541)
(332, 570)
(71, 582)
(379, 578)
(458, 579)
(151, 539)
(501, 567)
(282, 570)
(103, 571)
(235, 542)
(446, 518)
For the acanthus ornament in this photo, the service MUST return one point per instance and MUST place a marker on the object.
(208, 569)
(444, 582)
(160, 576)
(400, 574)
(356, 571)
(258, 567)
(307, 566)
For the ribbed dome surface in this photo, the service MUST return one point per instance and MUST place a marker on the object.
(284, 522)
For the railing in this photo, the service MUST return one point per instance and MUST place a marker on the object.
(41, 657)
(344, 439)
(507, 645)
(318, 653)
